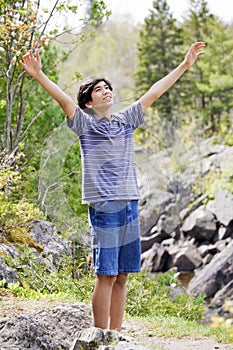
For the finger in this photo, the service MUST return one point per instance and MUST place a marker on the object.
(37, 55)
(22, 64)
(199, 45)
(26, 56)
(200, 53)
(31, 54)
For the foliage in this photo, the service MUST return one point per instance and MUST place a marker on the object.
(27, 113)
(159, 52)
(204, 92)
(73, 182)
(15, 211)
(225, 323)
(149, 296)
(214, 179)
(211, 75)
(38, 279)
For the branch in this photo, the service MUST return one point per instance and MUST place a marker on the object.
(30, 124)
(46, 22)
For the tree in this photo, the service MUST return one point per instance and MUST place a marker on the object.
(158, 53)
(23, 28)
(27, 113)
(212, 76)
(217, 78)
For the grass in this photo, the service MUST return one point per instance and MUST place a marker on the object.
(177, 328)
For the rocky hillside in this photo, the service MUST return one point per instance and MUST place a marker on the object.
(187, 218)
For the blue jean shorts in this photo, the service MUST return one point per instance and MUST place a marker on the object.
(115, 237)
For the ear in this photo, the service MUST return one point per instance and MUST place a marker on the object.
(88, 104)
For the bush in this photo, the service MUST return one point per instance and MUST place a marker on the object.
(149, 296)
(15, 212)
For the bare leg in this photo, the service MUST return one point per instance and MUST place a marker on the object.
(101, 300)
(118, 301)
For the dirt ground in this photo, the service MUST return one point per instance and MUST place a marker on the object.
(14, 307)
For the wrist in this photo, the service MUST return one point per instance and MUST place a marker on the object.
(38, 75)
(184, 65)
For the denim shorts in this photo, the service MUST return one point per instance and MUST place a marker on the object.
(115, 236)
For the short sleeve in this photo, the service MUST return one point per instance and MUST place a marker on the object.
(80, 121)
(132, 115)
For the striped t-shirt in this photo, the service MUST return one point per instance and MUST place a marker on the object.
(107, 151)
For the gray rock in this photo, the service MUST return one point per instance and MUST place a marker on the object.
(215, 275)
(201, 225)
(155, 259)
(7, 273)
(9, 249)
(46, 234)
(148, 241)
(224, 294)
(49, 329)
(96, 338)
(187, 259)
(222, 206)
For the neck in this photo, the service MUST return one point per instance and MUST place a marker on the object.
(103, 112)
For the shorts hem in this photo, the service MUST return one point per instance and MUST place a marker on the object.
(107, 273)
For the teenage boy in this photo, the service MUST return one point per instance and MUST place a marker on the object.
(109, 179)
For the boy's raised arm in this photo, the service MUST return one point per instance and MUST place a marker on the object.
(32, 65)
(162, 85)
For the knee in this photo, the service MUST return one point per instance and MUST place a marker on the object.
(121, 280)
(106, 280)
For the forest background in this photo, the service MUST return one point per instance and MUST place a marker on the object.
(40, 174)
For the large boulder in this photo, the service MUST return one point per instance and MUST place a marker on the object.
(215, 275)
(188, 258)
(155, 259)
(200, 224)
(222, 207)
(55, 246)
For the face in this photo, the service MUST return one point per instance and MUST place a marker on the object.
(101, 96)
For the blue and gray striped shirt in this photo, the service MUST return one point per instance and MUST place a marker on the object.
(107, 151)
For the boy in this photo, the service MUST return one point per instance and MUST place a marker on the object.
(109, 179)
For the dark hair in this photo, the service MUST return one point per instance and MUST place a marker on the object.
(86, 88)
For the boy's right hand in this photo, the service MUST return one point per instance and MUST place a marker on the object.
(32, 63)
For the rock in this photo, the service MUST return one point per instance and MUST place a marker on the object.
(155, 259)
(7, 273)
(54, 248)
(45, 233)
(224, 294)
(49, 329)
(187, 259)
(206, 249)
(9, 249)
(91, 337)
(201, 225)
(148, 241)
(96, 338)
(129, 346)
(67, 327)
(222, 206)
(215, 275)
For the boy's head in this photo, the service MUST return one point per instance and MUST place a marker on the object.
(86, 89)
